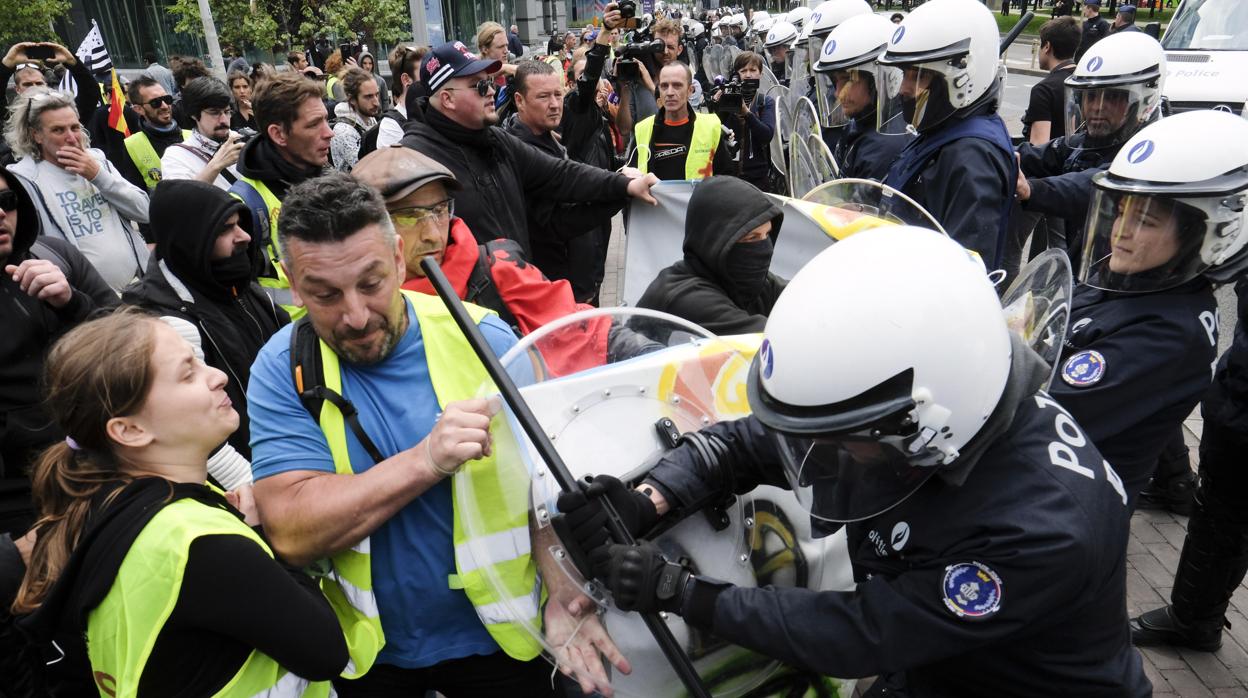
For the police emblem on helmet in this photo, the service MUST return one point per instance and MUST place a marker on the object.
(1095, 64)
(765, 356)
(901, 31)
(1140, 152)
(972, 590)
(830, 48)
(1084, 369)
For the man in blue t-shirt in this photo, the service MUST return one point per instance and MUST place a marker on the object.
(346, 266)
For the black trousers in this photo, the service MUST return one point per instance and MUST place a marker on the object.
(483, 676)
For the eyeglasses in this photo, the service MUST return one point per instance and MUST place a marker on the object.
(166, 100)
(415, 215)
(482, 86)
(8, 200)
(215, 113)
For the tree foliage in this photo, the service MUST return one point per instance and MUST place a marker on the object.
(23, 20)
(290, 23)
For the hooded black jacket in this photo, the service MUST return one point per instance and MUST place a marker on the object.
(502, 177)
(233, 322)
(698, 288)
(260, 160)
(31, 326)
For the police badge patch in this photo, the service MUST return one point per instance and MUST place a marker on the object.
(1084, 369)
(972, 590)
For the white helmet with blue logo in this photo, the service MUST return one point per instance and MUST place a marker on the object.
(848, 57)
(1172, 206)
(868, 421)
(953, 49)
(829, 15)
(798, 16)
(781, 34)
(1116, 88)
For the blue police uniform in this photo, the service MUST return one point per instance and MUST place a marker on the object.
(864, 153)
(1134, 366)
(1002, 575)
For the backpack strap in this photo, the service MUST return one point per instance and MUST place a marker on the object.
(41, 250)
(308, 375)
(255, 203)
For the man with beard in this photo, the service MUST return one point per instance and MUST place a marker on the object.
(156, 133)
(212, 150)
(501, 177)
(378, 501)
(354, 117)
(723, 282)
(204, 273)
(293, 146)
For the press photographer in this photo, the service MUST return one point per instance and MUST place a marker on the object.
(750, 116)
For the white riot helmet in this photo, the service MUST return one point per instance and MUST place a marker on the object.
(737, 20)
(696, 28)
(1116, 88)
(847, 76)
(798, 17)
(781, 34)
(862, 424)
(1172, 206)
(829, 15)
(761, 26)
(951, 49)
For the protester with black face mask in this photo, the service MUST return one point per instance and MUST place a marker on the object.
(206, 275)
(723, 283)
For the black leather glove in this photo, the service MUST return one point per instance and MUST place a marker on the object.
(582, 521)
(642, 580)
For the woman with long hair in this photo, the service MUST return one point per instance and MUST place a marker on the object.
(174, 593)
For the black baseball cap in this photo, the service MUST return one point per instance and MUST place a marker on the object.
(452, 60)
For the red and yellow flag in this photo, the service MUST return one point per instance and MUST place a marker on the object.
(117, 109)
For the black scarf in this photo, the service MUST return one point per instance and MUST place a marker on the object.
(290, 173)
(479, 139)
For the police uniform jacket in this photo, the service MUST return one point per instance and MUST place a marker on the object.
(1227, 399)
(864, 153)
(1134, 366)
(1004, 576)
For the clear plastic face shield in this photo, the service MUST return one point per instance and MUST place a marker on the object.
(1140, 242)
(1109, 115)
(922, 94)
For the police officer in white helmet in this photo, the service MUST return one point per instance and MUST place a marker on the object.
(987, 534)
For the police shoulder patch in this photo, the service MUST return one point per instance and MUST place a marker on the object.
(1084, 369)
(972, 590)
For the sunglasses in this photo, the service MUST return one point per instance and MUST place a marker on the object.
(413, 215)
(8, 200)
(166, 100)
(482, 86)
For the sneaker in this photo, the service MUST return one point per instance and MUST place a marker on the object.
(1160, 627)
(1177, 495)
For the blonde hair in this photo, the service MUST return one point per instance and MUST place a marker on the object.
(486, 33)
(26, 115)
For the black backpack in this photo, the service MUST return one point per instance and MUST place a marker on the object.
(368, 142)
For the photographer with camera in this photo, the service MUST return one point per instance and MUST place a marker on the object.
(25, 63)
(639, 64)
(212, 149)
(751, 116)
(677, 143)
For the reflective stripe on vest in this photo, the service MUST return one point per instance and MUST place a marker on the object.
(700, 157)
(122, 630)
(277, 287)
(329, 86)
(143, 155)
(492, 546)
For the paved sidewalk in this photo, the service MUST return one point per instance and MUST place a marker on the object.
(1152, 557)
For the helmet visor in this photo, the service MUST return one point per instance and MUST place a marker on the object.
(1109, 115)
(831, 113)
(850, 477)
(923, 94)
(1144, 242)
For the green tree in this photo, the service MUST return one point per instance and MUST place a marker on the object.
(22, 20)
(374, 20)
(270, 23)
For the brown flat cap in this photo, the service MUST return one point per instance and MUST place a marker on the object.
(398, 171)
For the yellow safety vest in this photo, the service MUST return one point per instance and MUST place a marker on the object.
(497, 526)
(144, 156)
(122, 630)
(278, 286)
(701, 154)
(329, 86)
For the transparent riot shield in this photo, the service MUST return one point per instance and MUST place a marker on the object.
(874, 199)
(711, 60)
(784, 126)
(825, 162)
(726, 60)
(652, 378)
(803, 171)
(1037, 305)
(805, 116)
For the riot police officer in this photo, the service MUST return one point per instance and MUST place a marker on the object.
(962, 166)
(987, 534)
(777, 45)
(1215, 552)
(847, 82)
(828, 16)
(1143, 337)
(1114, 91)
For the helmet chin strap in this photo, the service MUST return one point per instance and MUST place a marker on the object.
(932, 418)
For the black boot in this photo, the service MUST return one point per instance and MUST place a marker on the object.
(1213, 562)
(1176, 495)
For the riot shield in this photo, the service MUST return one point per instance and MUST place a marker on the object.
(1037, 305)
(711, 59)
(726, 60)
(875, 199)
(784, 126)
(805, 117)
(657, 376)
(803, 171)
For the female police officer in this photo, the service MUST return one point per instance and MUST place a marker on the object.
(987, 534)
(1165, 221)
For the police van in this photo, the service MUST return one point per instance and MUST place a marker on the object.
(1207, 54)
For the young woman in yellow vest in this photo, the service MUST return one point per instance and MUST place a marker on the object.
(174, 593)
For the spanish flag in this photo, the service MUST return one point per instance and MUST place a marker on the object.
(116, 110)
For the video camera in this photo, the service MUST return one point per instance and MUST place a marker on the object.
(734, 94)
(626, 68)
(628, 11)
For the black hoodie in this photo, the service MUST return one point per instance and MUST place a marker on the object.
(699, 288)
(31, 326)
(233, 322)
